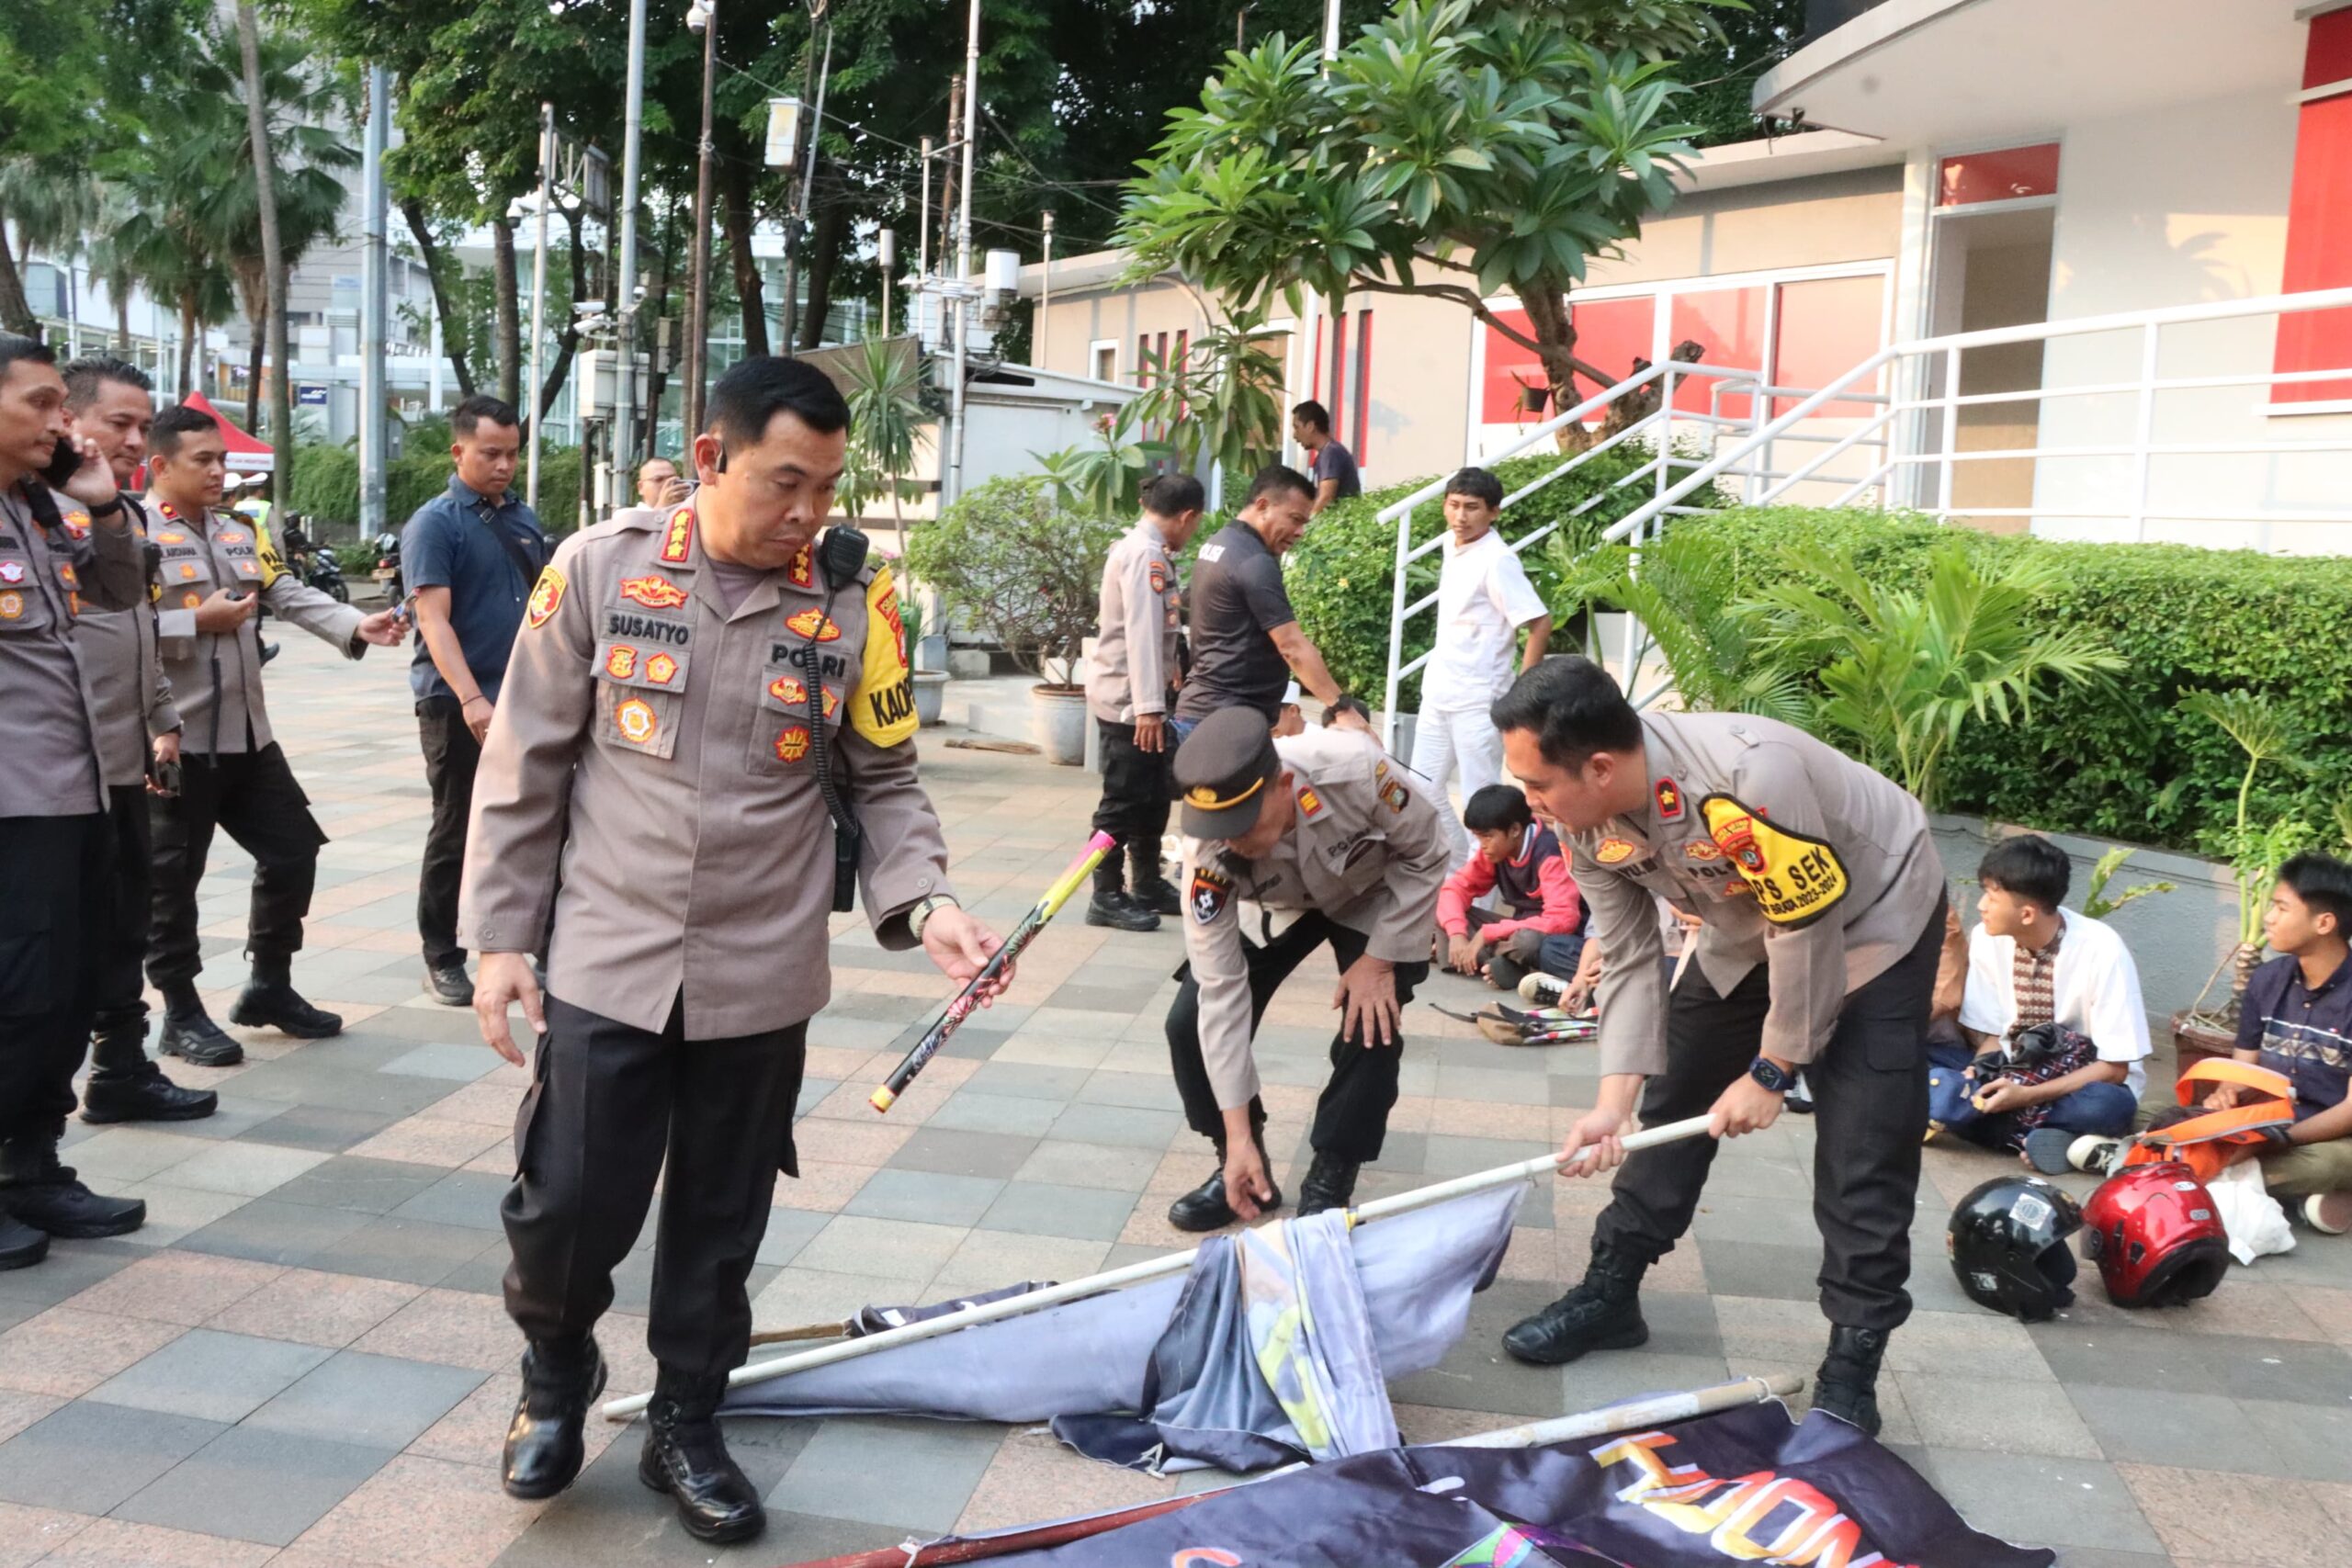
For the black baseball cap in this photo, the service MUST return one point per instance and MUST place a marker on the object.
(1222, 771)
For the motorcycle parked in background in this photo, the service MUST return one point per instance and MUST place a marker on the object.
(313, 565)
(388, 566)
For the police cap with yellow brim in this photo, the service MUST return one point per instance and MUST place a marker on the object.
(1223, 770)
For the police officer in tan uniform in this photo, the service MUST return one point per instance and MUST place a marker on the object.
(215, 567)
(113, 404)
(58, 553)
(1291, 843)
(1129, 674)
(708, 730)
(1821, 903)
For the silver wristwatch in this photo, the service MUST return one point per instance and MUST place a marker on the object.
(920, 915)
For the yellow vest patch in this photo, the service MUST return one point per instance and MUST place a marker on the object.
(883, 710)
(1796, 879)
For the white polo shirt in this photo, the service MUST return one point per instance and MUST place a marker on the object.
(2095, 984)
(1482, 598)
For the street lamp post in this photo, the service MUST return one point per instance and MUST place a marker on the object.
(538, 302)
(702, 16)
(1045, 294)
(887, 253)
(625, 295)
(955, 486)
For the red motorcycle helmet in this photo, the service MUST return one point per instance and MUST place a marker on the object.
(2156, 1236)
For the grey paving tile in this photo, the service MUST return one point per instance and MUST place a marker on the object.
(1475, 1374)
(2306, 1441)
(321, 1127)
(457, 1063)
(882, 1471)
(1446, 1155)
(1723, 1215)
(1121, 1125)
(1099, 1165)
(2125, 1355)
(1147, 1091)
(209, 1374)
(381, 1403)
(1969, 1411)
(466, 1198)
(270, 1230)
(1037, 1208)
(71, 1267)
(2191, 1432)
(608, 1519)
(788, 1231)
(2057, 1502)
(87, 1457)
(927, 1195)
(812, 1094)
(1030, 1081)
(951, 1153)
(1079, 998)
(368, 1186)
(1010, 1116)
(2288, 1370)
(252, 1484)
(414, 1252)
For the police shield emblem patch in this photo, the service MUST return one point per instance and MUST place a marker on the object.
(545, 597)
(1210, 892)
(1796, 878)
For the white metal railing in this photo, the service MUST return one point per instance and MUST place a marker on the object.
(1656, 431)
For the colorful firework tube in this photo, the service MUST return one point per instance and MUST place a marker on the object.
(953, 1015)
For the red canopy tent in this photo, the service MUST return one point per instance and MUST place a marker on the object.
(246, 454)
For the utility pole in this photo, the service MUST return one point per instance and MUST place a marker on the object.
(1045, 295)
(702, 16)
(625, 299)
(887, 253)
(813, 92)
(947, 165)
(539, 301)
(964, 247)
(923, 235)
(375, 307)
(1306, 344)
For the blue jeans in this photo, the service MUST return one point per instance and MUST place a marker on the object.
(1180, 728)
(2103, 1108)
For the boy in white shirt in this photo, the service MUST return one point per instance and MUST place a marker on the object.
(2032, 962)
(1483, 599)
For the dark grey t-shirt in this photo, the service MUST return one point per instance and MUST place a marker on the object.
(1335, 462)
(1238, 598)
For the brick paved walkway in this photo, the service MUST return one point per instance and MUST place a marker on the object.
(302, 1361)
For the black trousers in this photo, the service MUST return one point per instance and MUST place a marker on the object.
(1352, 1116)
(56, 917)
(252, 797)
(608, 1104)
(452, 755)
(1869, 1097)
(1136, 788)
(122, 1001)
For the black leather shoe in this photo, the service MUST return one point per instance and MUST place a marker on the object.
(1205, 1208)
(1158, 895)
(194, 1038)
(21, 1247)
(1604, 1313)
(274, 1003)
(145, 1097)
(685, 1456)
(1847, 1384)
(46, 1195)
(545, 1442)
(448, 984)
(1331, 1184)
(1112, 908)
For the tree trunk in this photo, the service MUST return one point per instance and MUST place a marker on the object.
(655, 309)
(824, 256)
(254, 363)
(735, 215)
(452, 333)
(568, 341)
(15, 310)
(272, 252)
(188, 342)
(510, 312)
(121, 320)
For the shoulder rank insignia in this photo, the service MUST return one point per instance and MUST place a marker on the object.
(1669, 801)
(545, 597)
(799, 572)
(1796, 878)
(1310, 805)
(678, 536)
(1210, 892)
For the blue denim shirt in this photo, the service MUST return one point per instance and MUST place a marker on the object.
(449, 544)
(2302, 1032)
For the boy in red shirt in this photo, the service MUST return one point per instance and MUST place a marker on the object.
(1542, 924)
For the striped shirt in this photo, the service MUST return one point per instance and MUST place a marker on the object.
(2301, 1030)
(2034, 981)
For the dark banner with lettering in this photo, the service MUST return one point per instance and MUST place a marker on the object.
(1747, 1487)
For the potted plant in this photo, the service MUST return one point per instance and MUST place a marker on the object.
(1531, 397)
(2255, 852)
(1029, 572)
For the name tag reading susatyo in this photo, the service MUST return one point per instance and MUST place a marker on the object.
(1796, 879)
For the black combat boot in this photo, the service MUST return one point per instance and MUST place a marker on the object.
(190, 1034)
(41, 1193)
(21, 1247)
(1602, 1314)
(1151, 890)
(1205, 1208)
(1331, 1184)
(685, 1456)
(545, 1442)
(126, 1087)
(270, 1001)
(1847, 1384)
(1111, 906)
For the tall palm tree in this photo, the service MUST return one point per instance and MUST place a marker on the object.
(54, 210)
(162, 237)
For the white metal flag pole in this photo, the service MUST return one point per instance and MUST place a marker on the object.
(1152, 1269)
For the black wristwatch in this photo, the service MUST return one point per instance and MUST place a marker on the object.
(1766, 1072)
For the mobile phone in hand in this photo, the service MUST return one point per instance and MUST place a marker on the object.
(166, 776)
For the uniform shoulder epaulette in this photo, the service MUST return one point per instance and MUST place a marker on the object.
(631, 520)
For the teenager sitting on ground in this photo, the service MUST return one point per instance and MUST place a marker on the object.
(1542, 922)
(2033, 963)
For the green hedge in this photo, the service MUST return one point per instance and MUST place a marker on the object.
(326, 481)
(1340, 573)
(2122, 760)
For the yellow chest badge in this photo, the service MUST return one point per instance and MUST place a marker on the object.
(814, 623)
(1612, 851)
(1796, 878)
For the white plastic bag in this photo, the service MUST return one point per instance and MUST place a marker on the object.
(2257, 1225)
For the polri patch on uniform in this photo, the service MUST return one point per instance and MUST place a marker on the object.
(815, 624)
(654, 592)
(1310, 805)
(1158, 576)
(660, 669)
(1795, 878)
(1612, 851)
(191, 599)
(620, 661)
(1669, 801)
(678, 537)
(788, 689)
(792, 743)
(1701, 850)
(545, 596)
(1210, 893)
(1395, 795)
(636, 721)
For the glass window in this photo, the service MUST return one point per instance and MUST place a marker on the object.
(2006, 174)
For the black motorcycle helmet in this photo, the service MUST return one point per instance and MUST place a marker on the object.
(2008, 1246)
